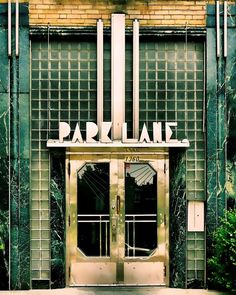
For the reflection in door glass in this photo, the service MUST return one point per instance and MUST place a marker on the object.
(93, 209)
(140, 210)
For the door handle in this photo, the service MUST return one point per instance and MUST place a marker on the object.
(114, 228)
(118, 205)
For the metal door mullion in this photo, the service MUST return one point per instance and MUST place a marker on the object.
(128, 238)
(100, 236)
(106, 231)
(134, 236)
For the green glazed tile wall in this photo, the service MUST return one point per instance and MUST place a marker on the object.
(196, 256)
(172, 89)
(63, 88)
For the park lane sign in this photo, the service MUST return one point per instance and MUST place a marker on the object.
(100, 136)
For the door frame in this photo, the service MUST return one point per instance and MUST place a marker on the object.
(127, 155)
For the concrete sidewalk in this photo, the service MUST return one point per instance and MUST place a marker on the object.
(116, 291)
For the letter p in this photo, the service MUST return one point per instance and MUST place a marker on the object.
(64, 131)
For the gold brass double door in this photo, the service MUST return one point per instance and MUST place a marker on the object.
(117, 212)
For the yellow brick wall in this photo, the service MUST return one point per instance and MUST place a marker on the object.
(13, 1)
(86, 13)
(149, 12)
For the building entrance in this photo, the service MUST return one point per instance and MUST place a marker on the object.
(117, 210)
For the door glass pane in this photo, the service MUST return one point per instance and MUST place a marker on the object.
(140, 210)
(93, 209)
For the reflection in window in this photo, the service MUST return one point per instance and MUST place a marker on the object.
(140, 210)
(93, 209)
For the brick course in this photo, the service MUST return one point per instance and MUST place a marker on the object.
(149, 12)
(86, 13)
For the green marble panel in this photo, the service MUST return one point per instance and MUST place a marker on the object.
(24, 61)
(220, 73)
(221, 84)
(24, 150)
(4, 223)
(212, 141)
(177, 219)
(3, 50)
(211, 131)
(24, 218)
(4, 124)
(231, 112)
(24, 225)
(14, 172)
(211, 19)
(221, 133)
(4, 80)
(4, 152)
(19, 162)
(14, 225)
(24, 128)
(58, 227)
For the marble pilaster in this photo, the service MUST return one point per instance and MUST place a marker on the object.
(58, 226)
(177, 219)
(4, 152)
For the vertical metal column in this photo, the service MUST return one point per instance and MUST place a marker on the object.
(18, 137)
(218, 28)
(221, 45)
(17, 28)
(136, 79)
(9, 132)
(99, 72)
(117, 74)
(9, 28)
(225, 29)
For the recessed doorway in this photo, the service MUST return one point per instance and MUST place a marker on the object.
(117, 212)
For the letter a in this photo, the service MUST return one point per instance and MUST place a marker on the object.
(77, 135)
(144, 135)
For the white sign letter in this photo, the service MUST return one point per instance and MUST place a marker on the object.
(157, 132)
(105, 129)
(169, 131)
(91, 131)
(64, 131)
(124, 135)
(144, 135)
(77, 135)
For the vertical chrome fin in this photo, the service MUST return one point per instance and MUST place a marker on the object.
(17, 28)
(225, 29)
(99, 72)
(117, 74)
(136, 78)
(218, 28)
(9, 28)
